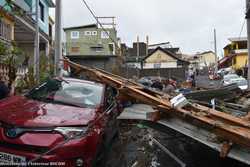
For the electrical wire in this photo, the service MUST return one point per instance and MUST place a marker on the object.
(242, 27)
(102, 27)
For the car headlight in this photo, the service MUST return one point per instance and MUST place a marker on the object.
(72, 132)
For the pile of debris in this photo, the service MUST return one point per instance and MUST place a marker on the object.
(230, 130)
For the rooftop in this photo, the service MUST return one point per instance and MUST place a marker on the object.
(80, 27)
(237, 39)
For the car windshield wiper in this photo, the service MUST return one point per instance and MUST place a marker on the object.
(62, 80)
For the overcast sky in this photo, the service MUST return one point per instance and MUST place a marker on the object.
(187, 24)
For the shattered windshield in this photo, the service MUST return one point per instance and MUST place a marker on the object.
(77, 94)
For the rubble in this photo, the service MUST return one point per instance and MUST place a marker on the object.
(226, 127)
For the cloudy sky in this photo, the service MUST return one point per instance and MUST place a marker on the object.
(187, 24)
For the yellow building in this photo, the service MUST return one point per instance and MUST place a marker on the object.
(237, 52)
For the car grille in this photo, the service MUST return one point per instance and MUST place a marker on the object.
(25, 148)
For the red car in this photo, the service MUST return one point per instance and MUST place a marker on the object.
(62, 122)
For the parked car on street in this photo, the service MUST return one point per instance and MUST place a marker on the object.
(235, 79)
(70, 120)
(145, 81)
(225, 71)
(241, 82)
(227, 78)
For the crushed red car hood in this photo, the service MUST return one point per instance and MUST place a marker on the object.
(20, 111)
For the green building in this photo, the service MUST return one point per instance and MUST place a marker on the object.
(91, 45)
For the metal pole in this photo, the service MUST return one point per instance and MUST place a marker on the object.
(147, 42)
(58, 39)
(137, 58)
(215, 51)
(248, 43)
(174, 157)
(36, 46)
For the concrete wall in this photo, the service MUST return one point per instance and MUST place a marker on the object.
(107, 64)
(179, 73)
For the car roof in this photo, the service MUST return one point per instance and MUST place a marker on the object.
(230, 75)
(239, 79)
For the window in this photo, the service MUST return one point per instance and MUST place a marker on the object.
(5, 30)
(75, 49)
(112, 48)
(105, 34)
(74, 34)
(94, 33)
(179, 63)
(8, 32)
(157, 65)
(41, 11)
(97, 49)
(87, 33)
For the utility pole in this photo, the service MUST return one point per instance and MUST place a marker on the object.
(37, 46)
(58, 39)
(137, 58)
(147, 42)
(248, 39)
(215, 51)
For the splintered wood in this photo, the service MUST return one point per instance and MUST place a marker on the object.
(229, 128)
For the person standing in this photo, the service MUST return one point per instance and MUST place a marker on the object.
(4, 90)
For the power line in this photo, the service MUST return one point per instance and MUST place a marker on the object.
(97, 20)
(242, 27)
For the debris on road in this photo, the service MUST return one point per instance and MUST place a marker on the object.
(224, 126)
